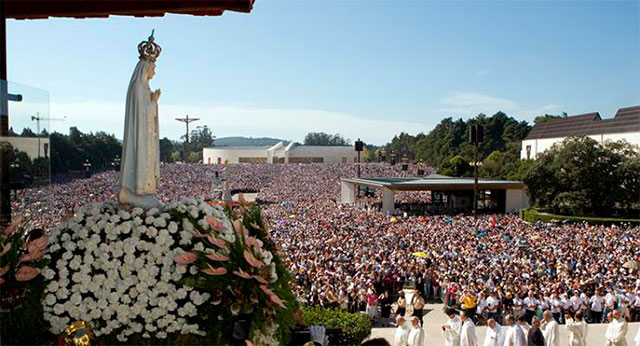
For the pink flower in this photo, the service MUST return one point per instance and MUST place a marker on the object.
(260, 279)
(214, 223)
(31, 256)
(26, 273)
(214, 271)
(217, 257)
(217, 241)
(5, 249)
(12, 227)
(239, 228)
(4, 270)
(185, 258)
(37, 244)
(242, 274)
(252, 260)
(251, 241)
(199, 235)
(274, 298)
(249, 343)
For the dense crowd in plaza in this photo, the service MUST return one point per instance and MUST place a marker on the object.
(356, 258)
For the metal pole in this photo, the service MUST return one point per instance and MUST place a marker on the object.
(475, 183)
(5, 185)
(358, 164)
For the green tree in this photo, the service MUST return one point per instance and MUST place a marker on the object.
(548, 117)
(325, 139)
(167, 147)
(200, 138)
(581, 176)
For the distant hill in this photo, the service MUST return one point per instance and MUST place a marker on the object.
(247, 141)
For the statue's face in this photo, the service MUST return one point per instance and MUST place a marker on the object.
(152, 72)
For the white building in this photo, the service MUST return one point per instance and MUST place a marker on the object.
(624, 125)
(34, 146)
(279, 153)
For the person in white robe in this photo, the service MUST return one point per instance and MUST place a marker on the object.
(494, 335)
(577, 329)
(617, 330)
(515, 334)
(636, 340)
(416, 334)
(452, 328)
(550, 329)
(468, 335)
(402, 332)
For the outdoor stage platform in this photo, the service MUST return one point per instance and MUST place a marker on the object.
(457, 193)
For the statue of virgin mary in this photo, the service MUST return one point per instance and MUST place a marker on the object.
(140, 167)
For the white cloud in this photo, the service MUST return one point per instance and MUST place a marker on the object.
(470, 104)
(465, 104)
(236, 120)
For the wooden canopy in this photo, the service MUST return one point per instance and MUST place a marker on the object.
(41, 9)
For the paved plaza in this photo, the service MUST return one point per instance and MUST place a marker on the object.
(434, 318)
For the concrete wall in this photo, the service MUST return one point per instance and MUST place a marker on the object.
(279, 153)
(540, 145)
(233, 154)
(329, 154)
(29, 145)
(516, 200)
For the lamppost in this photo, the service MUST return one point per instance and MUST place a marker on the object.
(15, 165)
(383, 155)
(405, 163)
(420, 168)
(359, 148)
(393, 158)
(116, 163)
(476, 136)
(87, 167)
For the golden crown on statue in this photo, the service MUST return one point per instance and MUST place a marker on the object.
(149, 50)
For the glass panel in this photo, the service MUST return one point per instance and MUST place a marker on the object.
(25, 148)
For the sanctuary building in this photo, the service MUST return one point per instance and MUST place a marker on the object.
(279, 153)
(624, 125)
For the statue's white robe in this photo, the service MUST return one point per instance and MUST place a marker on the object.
(140, 165)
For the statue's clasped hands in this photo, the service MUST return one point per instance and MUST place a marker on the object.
(156, 95)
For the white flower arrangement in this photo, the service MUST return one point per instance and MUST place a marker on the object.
(159, 273)
(114, 269)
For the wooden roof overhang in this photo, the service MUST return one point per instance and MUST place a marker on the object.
(41, 9)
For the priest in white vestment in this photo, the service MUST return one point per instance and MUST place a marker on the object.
(494, 335)
(550, 330)
(452, 328)
(416, 334)
(468, 335)
(401, 337)
(515, 334)
(636, 340)
(617, 330)
(577, 329)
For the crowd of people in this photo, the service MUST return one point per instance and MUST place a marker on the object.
(357, 258)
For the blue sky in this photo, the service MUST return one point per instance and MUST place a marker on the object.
(365, 69)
